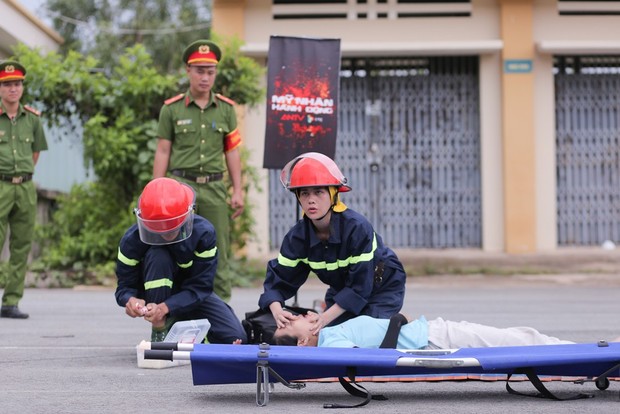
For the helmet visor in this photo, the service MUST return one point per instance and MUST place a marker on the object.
(328, 163)
(166, 231)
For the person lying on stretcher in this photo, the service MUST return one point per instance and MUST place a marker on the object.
(367, 332)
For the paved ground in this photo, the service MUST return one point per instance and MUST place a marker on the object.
(467, 261)
(76, 353)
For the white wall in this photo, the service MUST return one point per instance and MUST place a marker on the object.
(19, 24)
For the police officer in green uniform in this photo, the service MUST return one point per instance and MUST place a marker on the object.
(198, 142)
(21, 140)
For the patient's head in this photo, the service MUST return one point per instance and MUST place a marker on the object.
(296, 332)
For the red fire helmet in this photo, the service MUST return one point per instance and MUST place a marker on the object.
(165, 211)
(313, 169)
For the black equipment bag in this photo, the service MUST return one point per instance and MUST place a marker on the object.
(260, 325)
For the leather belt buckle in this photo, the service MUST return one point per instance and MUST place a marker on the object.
(202, 180)
(17, 180)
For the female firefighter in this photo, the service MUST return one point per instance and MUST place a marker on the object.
(336, 243)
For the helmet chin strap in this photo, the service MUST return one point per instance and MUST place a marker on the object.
(324, 215)
(334, 198)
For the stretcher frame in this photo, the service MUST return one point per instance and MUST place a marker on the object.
(266, 364)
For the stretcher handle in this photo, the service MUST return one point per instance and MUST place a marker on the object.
(172, 346)
(167, 346)
(165, 355)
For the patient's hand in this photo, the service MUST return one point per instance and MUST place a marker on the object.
(237, 342)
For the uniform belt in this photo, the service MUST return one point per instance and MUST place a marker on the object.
(199, 179)
(16, 179)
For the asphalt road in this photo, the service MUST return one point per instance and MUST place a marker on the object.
(76, 353)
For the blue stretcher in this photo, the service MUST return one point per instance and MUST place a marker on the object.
(263, 364)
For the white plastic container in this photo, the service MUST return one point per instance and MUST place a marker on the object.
(187, 332)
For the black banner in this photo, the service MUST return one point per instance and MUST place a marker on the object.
(302, 98)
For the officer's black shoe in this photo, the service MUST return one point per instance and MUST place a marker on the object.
(12, 312)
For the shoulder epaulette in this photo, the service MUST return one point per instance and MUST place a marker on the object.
(31, 109)
(174, 99)
(225, 99)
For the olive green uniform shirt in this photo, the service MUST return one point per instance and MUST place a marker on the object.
(198, 135)
(19, 139)
(199, 139)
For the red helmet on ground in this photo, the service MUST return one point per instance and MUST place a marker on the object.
(165, 211)
(313, 169)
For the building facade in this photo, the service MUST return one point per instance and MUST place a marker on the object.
(520, 152)
(19, 25)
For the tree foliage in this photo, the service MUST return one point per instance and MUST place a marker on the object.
(102, 28)
(117, 108)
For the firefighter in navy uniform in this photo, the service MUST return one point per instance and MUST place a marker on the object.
(198, 142)
(21, 140)
(336, 243)
(166, 265)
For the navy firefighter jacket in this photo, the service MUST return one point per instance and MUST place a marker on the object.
(195, 256)
(362, 273)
